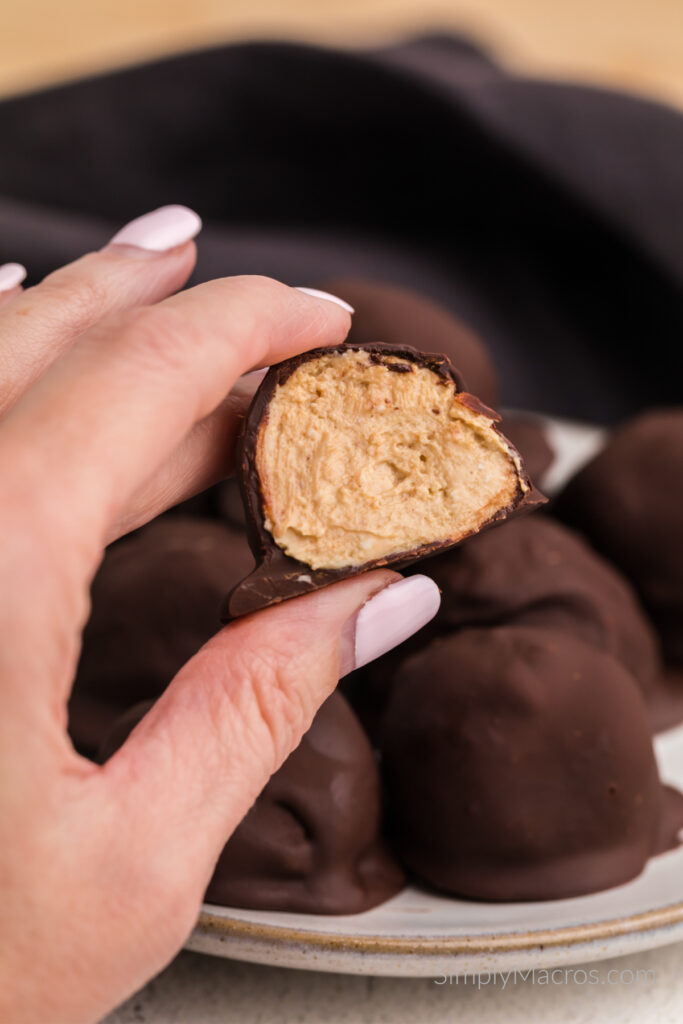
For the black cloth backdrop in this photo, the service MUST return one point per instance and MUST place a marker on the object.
(547, 215)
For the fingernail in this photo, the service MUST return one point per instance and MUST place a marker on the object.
(392, 615)
(11, 274)
(317, 294)
(160, 230)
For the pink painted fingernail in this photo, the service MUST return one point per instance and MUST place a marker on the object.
(160, 230)
(317, 294)
(392, 615)
(11, 274)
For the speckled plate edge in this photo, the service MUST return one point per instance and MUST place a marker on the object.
(430, 957)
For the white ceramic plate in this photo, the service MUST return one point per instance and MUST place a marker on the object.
(421, 934)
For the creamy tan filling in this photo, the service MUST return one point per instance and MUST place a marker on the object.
(357, 461)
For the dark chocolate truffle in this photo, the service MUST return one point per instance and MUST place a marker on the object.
(629, 503)
(311, 842)
(357, 458)
(535, 572)
(155, 601)
(518, 765)
(401, 317)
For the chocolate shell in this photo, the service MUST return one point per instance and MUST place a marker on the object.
(518, 765)
(529, 438)
(466, 424)
(629, 503)
(534, 571)
(155, 601)
(311, 842)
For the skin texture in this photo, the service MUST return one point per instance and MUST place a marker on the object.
(114, 402)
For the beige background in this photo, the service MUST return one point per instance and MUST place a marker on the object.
(633, 43)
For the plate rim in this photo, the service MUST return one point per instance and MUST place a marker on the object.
(211, 923)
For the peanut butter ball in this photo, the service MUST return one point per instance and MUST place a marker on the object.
(629, 504)
(311, 843)
(533, 571)
(518, 765)
(155, 601)
(353, 458)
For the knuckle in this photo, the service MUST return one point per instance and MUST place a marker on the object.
(278, 710)
(74, 298)
(159, 336)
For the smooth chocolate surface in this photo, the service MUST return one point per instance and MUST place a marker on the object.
(518, 765)
(530, 571)
(311, 842)
(155, 601)
(629, 503)
(398, 316)
(278, 576)
(534, 571)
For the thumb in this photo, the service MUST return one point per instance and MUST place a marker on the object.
(196, 762)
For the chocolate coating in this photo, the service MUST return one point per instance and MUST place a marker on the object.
(311, 842)
(518, 765)
(536, 572)
(229, 504)
(277, 576)
(629, 503)
(155, 601)
(401, 317)
(527, 435)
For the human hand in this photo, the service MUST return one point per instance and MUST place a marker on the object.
(116, 402)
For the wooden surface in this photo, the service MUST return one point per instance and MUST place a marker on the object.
(625, 43)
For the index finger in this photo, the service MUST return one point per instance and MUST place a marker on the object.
(100, 422)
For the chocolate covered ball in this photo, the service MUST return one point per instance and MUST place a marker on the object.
(629, 503)
(536, 572)
(399, 316)
(311, 842)
(518, 765)
(155, 601)
(353, 458)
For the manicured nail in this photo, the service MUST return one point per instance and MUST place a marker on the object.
(11, 274)
(160, 230)
(317, 294)
(392, 615)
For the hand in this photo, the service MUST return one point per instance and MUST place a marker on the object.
(115, 403)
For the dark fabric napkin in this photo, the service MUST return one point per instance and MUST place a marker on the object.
(547, 215)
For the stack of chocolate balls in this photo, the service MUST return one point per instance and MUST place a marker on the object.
(505, 752)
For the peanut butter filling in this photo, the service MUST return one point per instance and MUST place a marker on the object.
(359, 459)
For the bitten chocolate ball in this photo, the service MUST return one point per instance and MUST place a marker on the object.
(311, 842)
(155, 601)
(629, 503)
(535, 572)
(518, 765)
(357, 458)
(401, 317)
